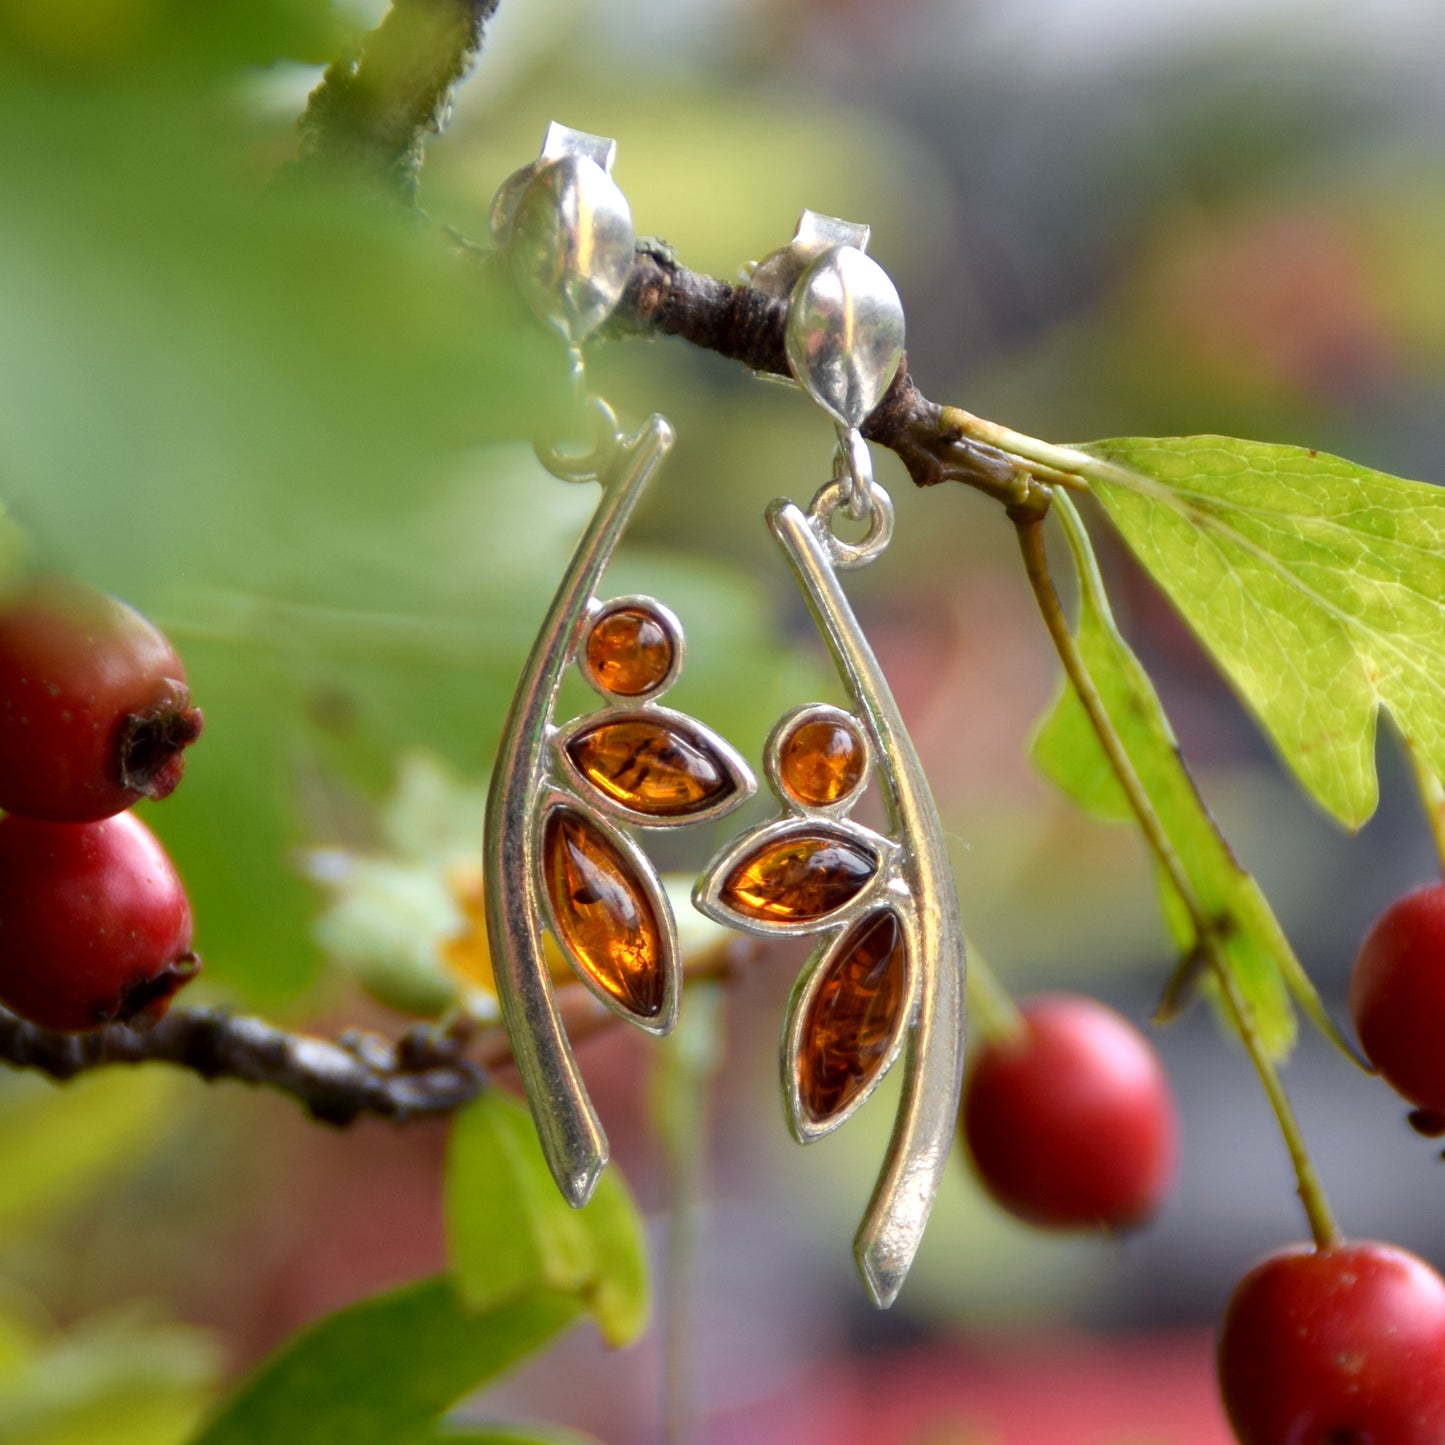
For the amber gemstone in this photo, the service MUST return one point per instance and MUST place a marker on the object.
(603, 914)
(821, 761)
(805, 876)
(853, 1017)
(651, 767)
(629, 651)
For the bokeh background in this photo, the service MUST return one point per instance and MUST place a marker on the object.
(293, 426)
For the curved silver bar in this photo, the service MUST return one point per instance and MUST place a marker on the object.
(891, 1229)
(572, 1138)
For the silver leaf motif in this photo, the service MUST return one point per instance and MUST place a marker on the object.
(845, 333)
(570, 243)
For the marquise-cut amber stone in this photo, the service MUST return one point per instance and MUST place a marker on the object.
(821, 761)
(629, 651)
(602, 913)
(651, 767)
(853, 1017)
(804, 876)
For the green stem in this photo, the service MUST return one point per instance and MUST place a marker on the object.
(1311, 1191)
(989, 1002)
(1299, 983)
(1067, 461)
(1432, 796)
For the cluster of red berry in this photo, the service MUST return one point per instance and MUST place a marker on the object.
(1070, 1123)
(95, 926)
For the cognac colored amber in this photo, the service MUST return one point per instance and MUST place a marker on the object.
(804, 876)
(629, 652)
(853, 1017)
(602, 913)
(651, 767)
(821, 761)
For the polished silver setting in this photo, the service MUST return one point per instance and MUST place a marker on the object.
(915, 883)
(805, 1128)
(801, 717)
(568, 233)
(665, 1020)
(844, 344)
(921, 892)
(665, 617)
(888, 891)
(532, 778)
(707, 895)
(682, 728)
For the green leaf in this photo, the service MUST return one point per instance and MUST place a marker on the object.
(511, 1233)
(382, 1371)
(1068, 752)
(1315, 583)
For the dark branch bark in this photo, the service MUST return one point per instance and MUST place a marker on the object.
(422, 1076)
(664, 298)
(375, 110)
(430, 1072)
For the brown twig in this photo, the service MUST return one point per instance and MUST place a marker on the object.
(430, 1072)
(424, 1075)
(665, 298)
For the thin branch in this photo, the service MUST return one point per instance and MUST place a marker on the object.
(1431, 791)
(430, 1072)
(990, 1003)
(1310, 1189)
(375, 109)
(665, 298)
(424, 1075)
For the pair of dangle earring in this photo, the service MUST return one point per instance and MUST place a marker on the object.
(887, 977)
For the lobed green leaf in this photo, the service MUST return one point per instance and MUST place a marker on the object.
(1316, 584)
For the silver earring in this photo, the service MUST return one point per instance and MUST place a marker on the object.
(888, 976)
(555, 854)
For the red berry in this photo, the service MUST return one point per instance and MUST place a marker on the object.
(1342, 1346)
(95, 927)
(94, 707)
(1397, 996)
(1072, 1122)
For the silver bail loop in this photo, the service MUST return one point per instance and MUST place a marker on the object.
(853, 465)
(844, 336)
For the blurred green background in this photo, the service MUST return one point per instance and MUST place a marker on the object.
(293, 425)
